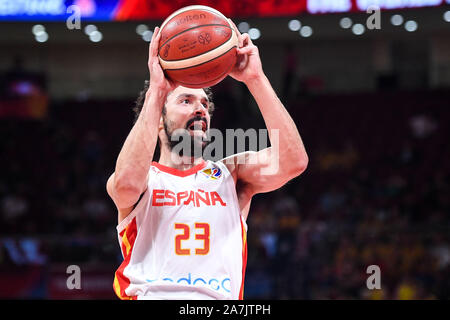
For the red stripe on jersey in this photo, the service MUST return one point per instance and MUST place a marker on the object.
(244, 258)
(122, 245)
(121, 282)
(180, 173)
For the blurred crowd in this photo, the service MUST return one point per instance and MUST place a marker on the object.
(375, 193)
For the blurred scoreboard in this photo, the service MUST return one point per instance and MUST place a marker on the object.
(123, 10)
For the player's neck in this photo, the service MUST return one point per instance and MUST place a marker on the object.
(172, 160)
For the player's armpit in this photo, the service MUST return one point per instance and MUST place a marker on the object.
(262, 171)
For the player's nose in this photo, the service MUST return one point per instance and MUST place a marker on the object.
(199, 109)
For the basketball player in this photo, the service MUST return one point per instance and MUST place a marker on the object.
(182, 224)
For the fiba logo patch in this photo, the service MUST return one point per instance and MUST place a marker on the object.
(212, 173)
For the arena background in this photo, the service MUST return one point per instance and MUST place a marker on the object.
(372, 106)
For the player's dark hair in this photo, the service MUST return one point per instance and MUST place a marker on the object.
(141, 98)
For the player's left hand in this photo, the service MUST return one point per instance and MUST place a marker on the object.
(248, 65)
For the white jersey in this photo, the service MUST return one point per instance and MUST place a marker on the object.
(185, 239)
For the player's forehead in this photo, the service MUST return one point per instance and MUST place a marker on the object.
(184, 92)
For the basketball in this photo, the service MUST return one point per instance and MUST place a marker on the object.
(197, 47)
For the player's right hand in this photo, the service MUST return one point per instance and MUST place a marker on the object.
(158, 81)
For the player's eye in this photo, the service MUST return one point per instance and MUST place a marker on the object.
(185, 101)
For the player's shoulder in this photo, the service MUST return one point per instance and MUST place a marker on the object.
(232, 162)
(228, 162)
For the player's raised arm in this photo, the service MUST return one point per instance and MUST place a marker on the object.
(129, 180)
(270, 168)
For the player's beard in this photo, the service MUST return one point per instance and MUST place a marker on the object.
(197, 144)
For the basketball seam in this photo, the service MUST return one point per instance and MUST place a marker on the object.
(203, 62)
(196, 60)
(203, 25)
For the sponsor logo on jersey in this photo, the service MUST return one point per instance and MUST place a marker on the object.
(213, 173)
(213, 283)
(161, 197)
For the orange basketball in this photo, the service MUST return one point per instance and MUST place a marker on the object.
(197, 47)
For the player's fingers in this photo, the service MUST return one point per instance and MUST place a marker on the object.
(248, 40)
(241, 62)
(239, 35)
(245, 40)
(154, 43)
(245, 50)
